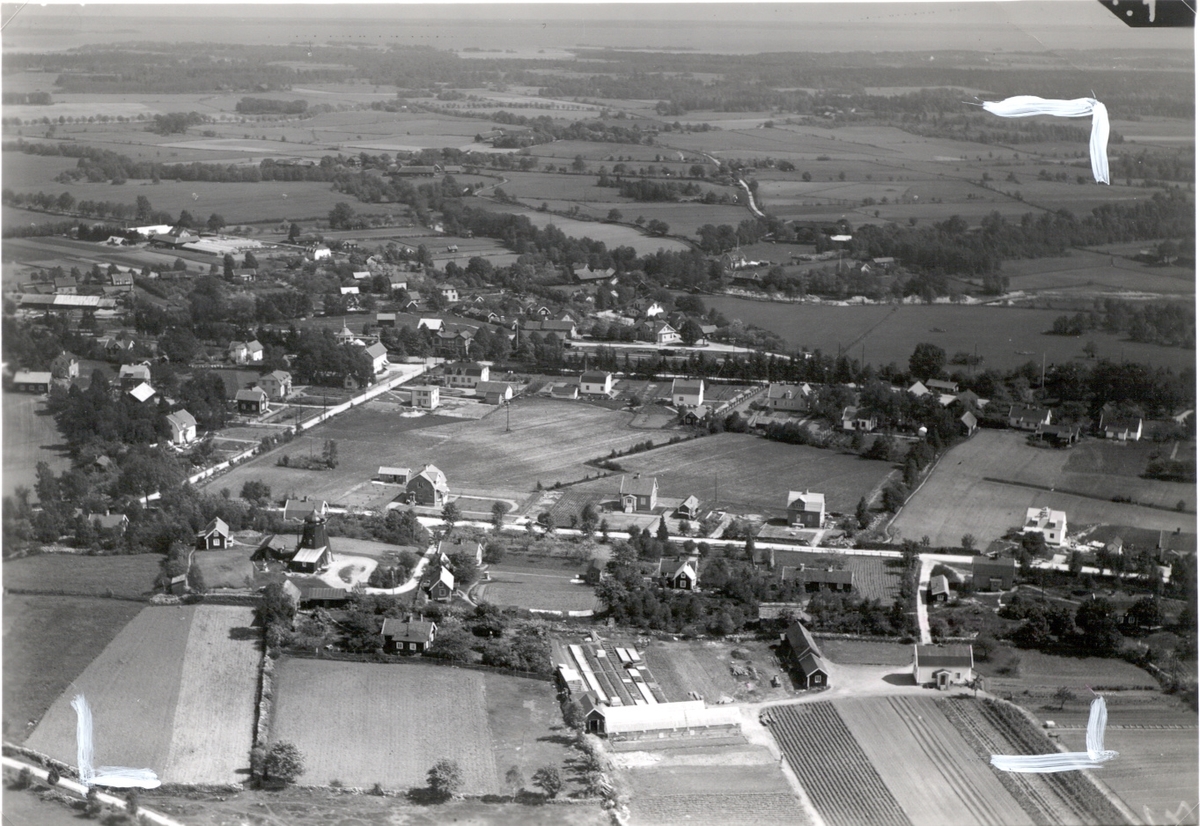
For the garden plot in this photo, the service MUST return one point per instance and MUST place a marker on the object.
(367, 723)
(546, 587)
(722, 793)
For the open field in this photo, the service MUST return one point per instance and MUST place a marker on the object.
(1156, 773)
(29, 438)
(416, 716)
(526, 726)
(214, 719)
(133, 688)
(836, 773)
(613, 235)
(74, 628)
(958, 498)
(1088, 270)
(729, 791)
(548, 587)
(1006, 337)
(548, 442)
(932, 771)
(122, 576)
(748, 474)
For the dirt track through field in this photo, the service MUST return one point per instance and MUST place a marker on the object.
(933, 773)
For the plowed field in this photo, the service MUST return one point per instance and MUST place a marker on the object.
(933, 772)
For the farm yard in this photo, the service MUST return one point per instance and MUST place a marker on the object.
(959, 497)
(549, 441)
(836, 773)
(926, 764)
(707, 668)
(74, 628)
(1006, 337)
(746, 474)
(552, 586)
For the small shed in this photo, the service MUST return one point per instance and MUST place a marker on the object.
(689, 508)
(393, 475)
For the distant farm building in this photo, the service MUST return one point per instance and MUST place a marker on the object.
(805, 657)
(393, 475)
(323, 597)
(855, 419)
(685, 574)
(806, 509)
(943, 665)
(792, 398)
(992, 574)
(639, 494)
(276, 384)
(689, 508)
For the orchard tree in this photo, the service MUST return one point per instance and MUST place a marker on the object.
(445, 778)
(1064, 695)
(548, 780)
(283, 762)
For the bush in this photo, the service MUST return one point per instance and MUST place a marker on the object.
(445, 778)
(283, 762)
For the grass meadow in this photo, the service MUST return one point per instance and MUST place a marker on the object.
(548, 587)
(129, 576)
(29, 438)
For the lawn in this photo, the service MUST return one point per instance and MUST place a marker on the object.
(73, 628)
(367, 723)
(958, 498)
(526, 726)
(1006, 337)
(747, 474)
(133, 688)
(863, 652)
(548, 441)
(121, 576)
(550, 587)
(29, 438)
(740, 794)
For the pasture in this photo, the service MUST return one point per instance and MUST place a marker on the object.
(1006, 337)
(613, 235)
(173, 692)
(1156, 774)
(926, 764)
(30, 436)
(415, 716)
(548, 442)
(129, 576)
(747, 474)
(553, 586)
(74, 628)
(958, 497)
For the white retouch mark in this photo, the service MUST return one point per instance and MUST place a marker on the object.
(114, 776)
(1093, 758)
(1024, 106)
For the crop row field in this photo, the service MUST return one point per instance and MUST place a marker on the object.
(73, 628)
(934, 774)
(837, 775)
(724, 795)
(173, 692)
(960, 496)
(875, 577)
(1006, 337)
(547, 441)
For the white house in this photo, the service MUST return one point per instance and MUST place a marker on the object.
(687, 393)
(943, 665)
(379, 357)
(424, 396)
(1050, 524)
(245, 352)
(596, 383)
(466, 374)
(183, 427)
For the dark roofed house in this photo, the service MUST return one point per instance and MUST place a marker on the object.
(407, 636)
(214, 535)
(428, 487)
(805, 657)
(639, 493)
(324, 597)
(939, 588)
(689, 508)
(818, 579)
(814, 671)
(943, 665)
(1026, 417)
(442, 588)
(594, 573)
(685, 574)
(252, 401)
(992, 574)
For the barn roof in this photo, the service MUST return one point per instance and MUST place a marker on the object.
(799, 638)
(310, 555)
(811, 663)
(658, 716)
(326, 594)
(944, 656)
(983, 565)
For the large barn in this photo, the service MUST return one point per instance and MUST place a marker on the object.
(657, 720)
(805, 657)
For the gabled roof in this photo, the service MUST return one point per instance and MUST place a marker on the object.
(217, 525)
(788, 391)
(691, 503)
(939, 585)
(800, 640)
(686, 568)
(134, 371)
(435, 477)
(1027, 413)
(687, 386)
(310, 556)
(639, 485)
(444, 577)
(595, 377)
(299, 508)
(808, 501)
(340, 594)
(399, 630)
(142, 392)
(253, 394)
(31, 377)
(661, 716)
(181, 419)
(944, 656)
(969, 419)
(376, 350)
(279, 376)
(108, 521)
(983, 565)
(384, 470)
(811, 663)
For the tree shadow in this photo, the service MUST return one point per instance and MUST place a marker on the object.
(243, 634)
(558, 739)
(900, 678)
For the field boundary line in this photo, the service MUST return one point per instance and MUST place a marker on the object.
(1080, 494)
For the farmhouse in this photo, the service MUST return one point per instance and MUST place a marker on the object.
(428, 488)
(295, 510)
(407, 636)
(1060, 435)
(596, 383)
(245, 352)
(393, 475)
(585, 274)
(1050, 524)
(992, 574)
(183, 427)
(918, 389)
(695, 415)
(805, 657)
(792, 398)
(806, 509)
(114, 522)
(276, 384)
(214, 535)
(473, 548)
(455, 344)
(817, 579)
(660, 332)
(252, 401)
(943, 665)
(64, 366)
(1025, 417)
(658, 720)
(568, 391)
(131, 375)
(442, 588)
(639, 494)
(687, 393)
(379, 357)
(1124, 429)
(939, 588)
(26, 381)
(466, 374)
(685, 574)
(942, 387)
(424, 396)
(855, 419)
(313, 553)
(494, 392)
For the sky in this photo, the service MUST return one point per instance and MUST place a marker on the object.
(742, 27)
